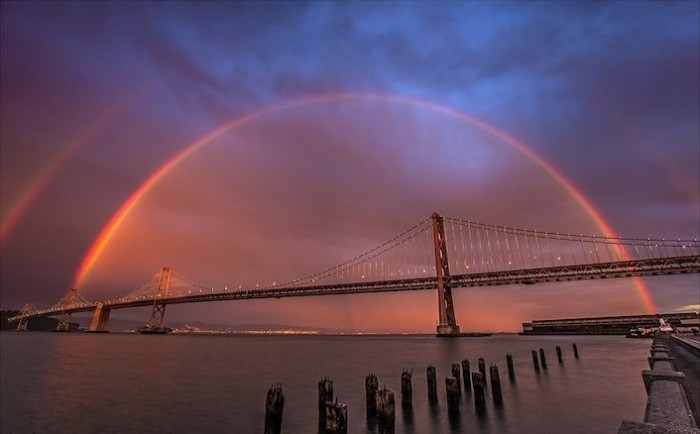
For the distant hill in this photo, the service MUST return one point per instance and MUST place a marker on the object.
(118, 325)
(36, 324)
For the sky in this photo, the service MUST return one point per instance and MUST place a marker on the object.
(248, 143)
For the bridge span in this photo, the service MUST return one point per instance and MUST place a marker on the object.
(481, 255)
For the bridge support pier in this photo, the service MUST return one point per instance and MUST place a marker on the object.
(27, 310)
(63, 322)
(100, 320)
(447, 323)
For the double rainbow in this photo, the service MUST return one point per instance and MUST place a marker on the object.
(118, 218)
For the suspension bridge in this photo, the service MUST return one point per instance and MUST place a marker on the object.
(440, 253)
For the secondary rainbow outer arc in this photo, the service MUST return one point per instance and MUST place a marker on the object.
(33, 191)
(39, 184)
(118, 218)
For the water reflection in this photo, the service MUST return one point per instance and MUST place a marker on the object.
(434, 410)
(407, 413)
(371, 424)
(455, 421)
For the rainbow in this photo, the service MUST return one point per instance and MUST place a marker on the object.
(116, 221)
(33, 191)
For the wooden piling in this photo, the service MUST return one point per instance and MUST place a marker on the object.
(559, 355)
(478, 383)
(386, 411)
(482, 369)
(575, 350)
(274, 407)
(543, 361)
(371, 387)
(452, 387)
(535, 361)
(406, 388)
(467, 376)
(325, 394)
(431, 376)
(496, 384)
(456, 375)
(336, 418)
(511, 369)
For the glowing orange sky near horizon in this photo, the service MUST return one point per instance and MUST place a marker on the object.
(102, 241)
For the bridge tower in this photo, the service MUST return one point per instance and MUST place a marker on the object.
(73, 297)
(155, 323)
(28, 309)
(447, 324)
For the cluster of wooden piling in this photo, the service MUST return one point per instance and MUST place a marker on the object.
(332, 416)
(474, 382)
(542, 360)
(380, 402)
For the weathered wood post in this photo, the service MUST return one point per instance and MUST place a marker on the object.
(457, 376)
(575, 350)
(542, 359)
(478, 383)
(496, 384)
(386, 411)
(406, 388)
(325, 394)
(467, 376)
(482, 369)
(431, 376)
(371, 387)
(511, 369)
(274, 407)
(336, 418)
(559, 355)
(535, 362)
(452, 387)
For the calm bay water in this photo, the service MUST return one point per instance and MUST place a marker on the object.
(128, 383)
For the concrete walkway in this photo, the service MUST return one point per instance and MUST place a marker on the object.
(673, 390)
(688, 363)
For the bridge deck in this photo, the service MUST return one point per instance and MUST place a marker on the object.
(618, 269)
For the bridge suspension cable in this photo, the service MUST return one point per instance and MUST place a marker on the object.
(403, 256)
(475, 247)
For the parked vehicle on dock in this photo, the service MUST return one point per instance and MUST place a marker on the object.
(640, 332)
